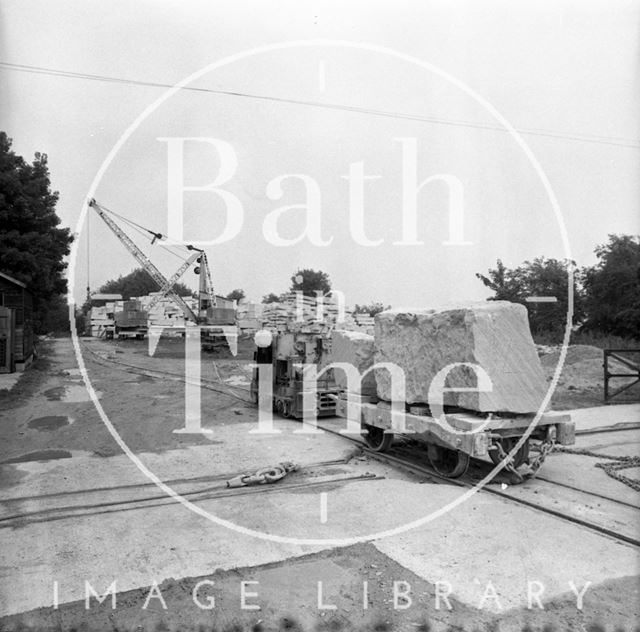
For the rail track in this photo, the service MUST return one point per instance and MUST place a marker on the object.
(195, 492)
(211, 385)
(396, 458)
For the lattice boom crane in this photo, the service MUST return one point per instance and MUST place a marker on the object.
(205, 295)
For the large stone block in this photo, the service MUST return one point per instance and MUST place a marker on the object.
(357, 349)
(494, 335)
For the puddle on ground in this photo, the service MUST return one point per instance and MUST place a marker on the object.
(54, 394)
(51, 422)
(71, 393)
(106, 452)
(10, 476)
(39, 455)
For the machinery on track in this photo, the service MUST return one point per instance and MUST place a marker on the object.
(287, 354)
(452, 437)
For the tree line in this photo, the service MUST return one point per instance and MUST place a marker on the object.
(606, 296)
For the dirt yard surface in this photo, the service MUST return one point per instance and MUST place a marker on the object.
(286, 594)
(581, 382)
(77, 515)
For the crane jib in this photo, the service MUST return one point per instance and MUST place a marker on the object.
(165, 285)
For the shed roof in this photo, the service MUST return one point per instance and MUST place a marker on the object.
(106, 297)
(12, 280)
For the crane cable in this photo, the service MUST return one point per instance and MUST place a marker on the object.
(88, 259)
(145, 233)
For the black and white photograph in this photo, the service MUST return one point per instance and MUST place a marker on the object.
(319, 316)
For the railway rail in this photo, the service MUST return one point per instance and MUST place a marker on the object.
(132, 502)
(395, 459)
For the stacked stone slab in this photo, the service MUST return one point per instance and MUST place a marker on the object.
(165, 312)
(249, 316)
(304, 316)
(356, 349)
(494, 335)
(102, 319)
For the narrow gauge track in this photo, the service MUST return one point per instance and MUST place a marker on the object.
(478, 462)
(591, 493)
(426, 471)
(606, 429)
(400, 461)
(211, 385)
(211, 492)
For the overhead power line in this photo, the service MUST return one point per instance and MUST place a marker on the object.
(574, 136)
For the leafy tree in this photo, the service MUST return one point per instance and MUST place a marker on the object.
(309, 281)
(612, 288)
(32, 246)
(540, 277)
(507, 284)
(56, 319)
(372, 308)
(236, 295)
(270, 298)
(138, 283)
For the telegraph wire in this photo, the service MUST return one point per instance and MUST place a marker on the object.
(580, 137)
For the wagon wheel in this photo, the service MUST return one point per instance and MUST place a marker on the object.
(447, 462)
(283, 407)
(377, 439)
(508, 443)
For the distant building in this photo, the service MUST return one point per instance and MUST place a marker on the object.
(221, 301)
(100, 300)
(16, 325)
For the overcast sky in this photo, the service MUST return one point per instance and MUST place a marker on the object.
(563, 73)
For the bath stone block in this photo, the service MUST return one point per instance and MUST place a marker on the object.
(494, 335)
(357, 349)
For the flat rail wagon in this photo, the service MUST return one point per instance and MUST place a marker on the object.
(462, 435)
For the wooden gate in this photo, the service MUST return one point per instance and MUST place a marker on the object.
(633, 371)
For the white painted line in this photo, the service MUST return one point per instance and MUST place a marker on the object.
(321, 76)
(323, 507)
(541, 299)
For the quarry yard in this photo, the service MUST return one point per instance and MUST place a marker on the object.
(313, 550)
(320, 317)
